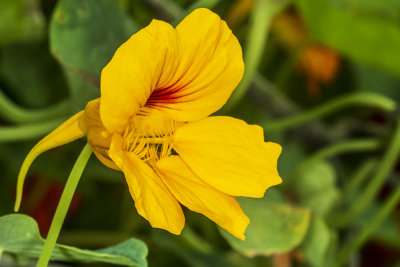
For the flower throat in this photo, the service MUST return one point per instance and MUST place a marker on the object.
(150, 141)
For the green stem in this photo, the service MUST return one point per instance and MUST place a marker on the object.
(196, 242)
(166, 7)
(353, 185)
(28, 131)
(287, 69)
(389, 205)
(358, 99)
(63, 206)
(16, 114)
(367, 195)
(365, 144)
(198, 4)
(260, 20)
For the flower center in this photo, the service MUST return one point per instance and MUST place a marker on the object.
(150, 137)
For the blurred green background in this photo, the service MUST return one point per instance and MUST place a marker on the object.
(322, 78)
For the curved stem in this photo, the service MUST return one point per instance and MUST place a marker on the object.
(63, 206)
(196, 242)
(197, 4)
(353, 185)
(261, 17)
(365, 144)
(358, 99)
(16, 114)
(367, 195)
(167, 7)
(389, 205)
(28, 131)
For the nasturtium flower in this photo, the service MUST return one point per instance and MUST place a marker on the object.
(152, 123)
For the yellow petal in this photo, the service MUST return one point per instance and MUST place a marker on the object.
(187, 73)
(98, 136)
(65, 133)
(152, 198)
(146, 61)
(210, 68)
(200, 197)
(229, 154)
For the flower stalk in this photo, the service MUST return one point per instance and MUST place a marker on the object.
(16, 114)
(357, 99)
(359, 177)
(389, 205)
(63, 205)
(28, 131)
(261, 17)
(386, 165)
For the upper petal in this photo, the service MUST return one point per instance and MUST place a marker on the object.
(146, 61)
(200, 197)
(229, 154)
(210, 68)
(152, 198)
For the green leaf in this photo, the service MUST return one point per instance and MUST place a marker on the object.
(294, 153)
(26, 69)
(316, 242)
(274, 227)
(197, 257)
(19, 234)
(186, 253)
(388, 10)
(83, 37)
(82, 90)
(361, 37)
(314, 185)
(21, 20)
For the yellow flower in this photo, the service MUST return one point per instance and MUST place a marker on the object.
(152, 123)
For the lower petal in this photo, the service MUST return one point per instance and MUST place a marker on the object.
(229, 154)
(152, 198)
(200, 197)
